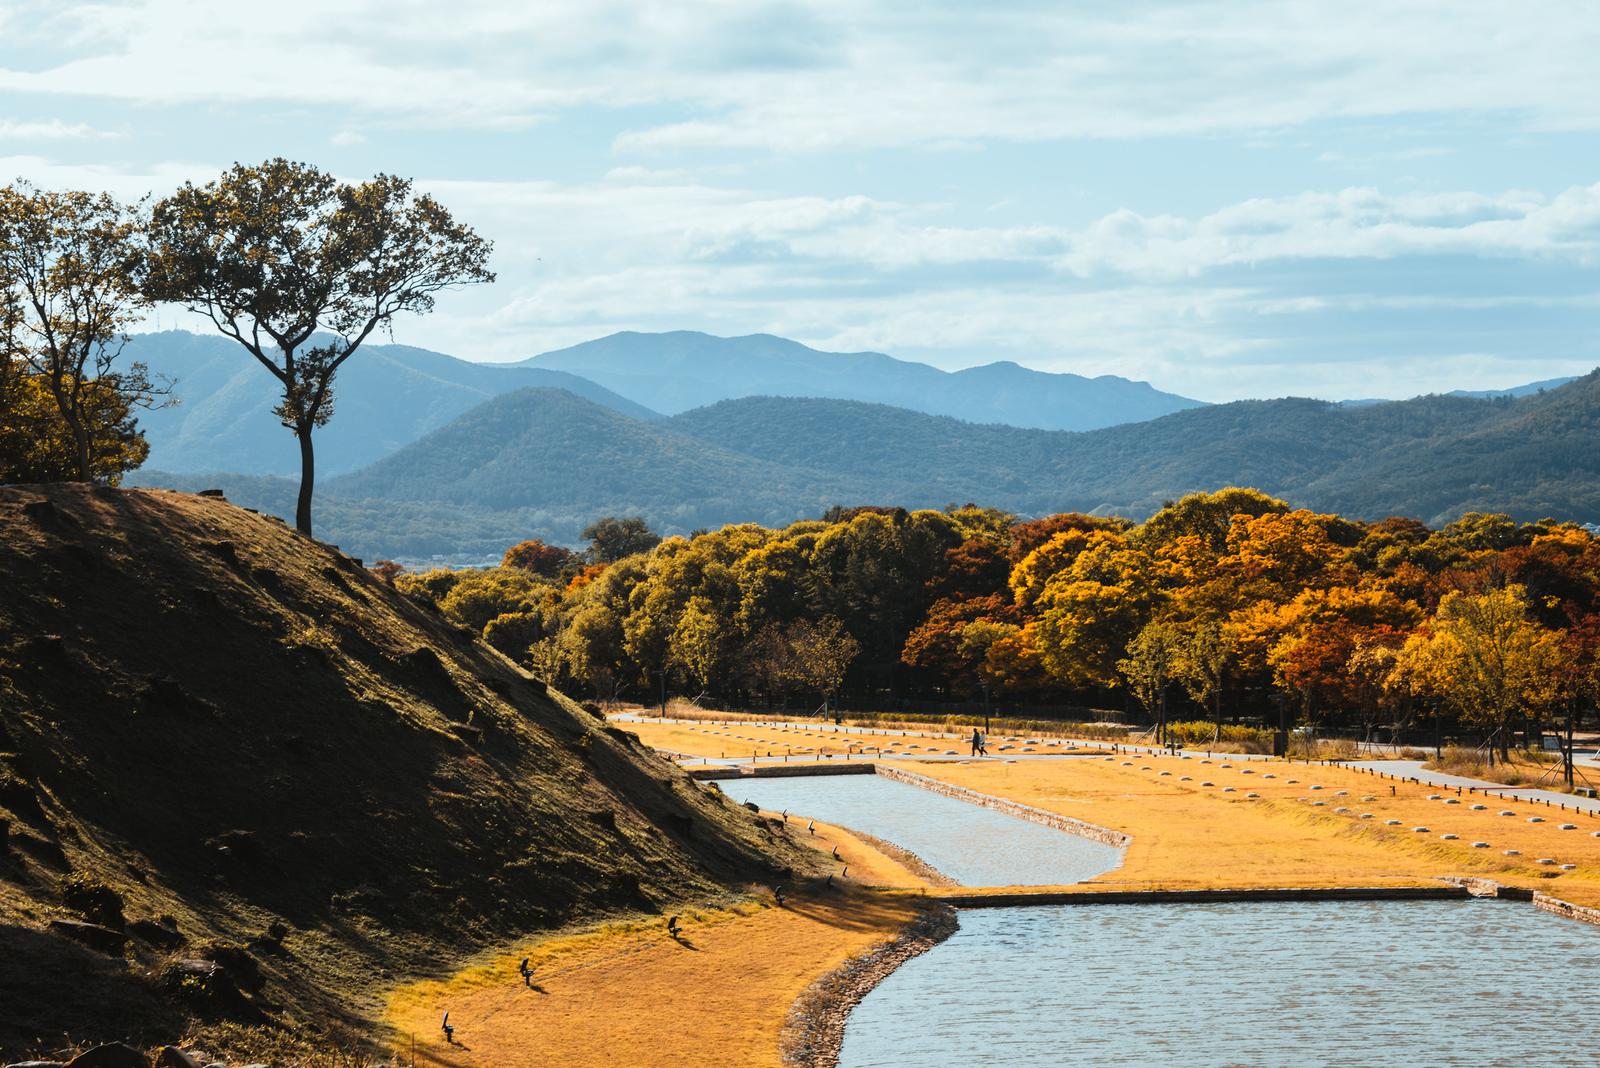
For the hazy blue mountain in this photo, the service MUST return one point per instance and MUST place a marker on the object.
(385, 396)
(684, 369)
(1514, 391)
(544, 463)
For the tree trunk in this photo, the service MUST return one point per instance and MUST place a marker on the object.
(80, 438)
(308, 480)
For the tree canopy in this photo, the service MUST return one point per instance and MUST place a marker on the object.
(300, 268)
(1487, 624)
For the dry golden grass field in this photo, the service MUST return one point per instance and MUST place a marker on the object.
(1307, 825)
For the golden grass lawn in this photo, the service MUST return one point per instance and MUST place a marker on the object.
(629, 994)
(634, 996)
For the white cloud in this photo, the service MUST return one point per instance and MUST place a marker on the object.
(49, 130)
(1152, 297)
(348, 139)
(799, 76)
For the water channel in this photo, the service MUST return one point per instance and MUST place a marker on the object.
(1250, 983)
(1258, 983)
(975, 846)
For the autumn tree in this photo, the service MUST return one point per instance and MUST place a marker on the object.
(939, 645)
(300, 269)
(539, 557)
(1208, 516)
(36, 445)
(386, 571)
(70, 268)
(1484, 657)
(699, 643)
(1091, 610)
(592, 646)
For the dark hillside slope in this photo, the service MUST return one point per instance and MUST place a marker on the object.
(236, 727)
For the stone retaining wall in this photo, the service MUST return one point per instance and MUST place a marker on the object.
(964, 900)
(1010, 808)
(1566, 908)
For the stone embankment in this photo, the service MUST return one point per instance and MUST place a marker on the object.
(1011, 808)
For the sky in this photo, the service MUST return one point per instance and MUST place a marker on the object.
(1227, 199)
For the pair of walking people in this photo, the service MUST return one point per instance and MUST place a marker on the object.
(980, 743)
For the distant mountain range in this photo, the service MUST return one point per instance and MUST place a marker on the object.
(544, 462)
(684, 369)
(386, 396)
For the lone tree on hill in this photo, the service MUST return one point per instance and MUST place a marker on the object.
(69, 287)
(275, 253)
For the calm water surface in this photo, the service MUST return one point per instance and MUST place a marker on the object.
(1324, 983)
(975, 846)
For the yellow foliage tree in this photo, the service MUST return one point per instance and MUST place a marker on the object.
(1483, 656)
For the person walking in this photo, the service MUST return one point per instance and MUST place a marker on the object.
(983, 744)
(977, 741)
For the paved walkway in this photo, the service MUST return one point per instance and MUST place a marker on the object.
(1415, 770)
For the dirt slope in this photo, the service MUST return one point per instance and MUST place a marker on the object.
(237, 728)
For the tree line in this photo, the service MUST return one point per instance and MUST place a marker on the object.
(296, 266)
(1228, 605)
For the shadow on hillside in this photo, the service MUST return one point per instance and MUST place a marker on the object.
(51, 988)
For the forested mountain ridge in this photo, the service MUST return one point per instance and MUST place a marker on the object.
(544, 462)
(385, 397)
(542, 448)
(683, 369)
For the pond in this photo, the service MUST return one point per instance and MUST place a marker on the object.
(1259, 983)
(975, 846)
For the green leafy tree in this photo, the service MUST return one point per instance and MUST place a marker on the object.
(1202, 664)
(821, 653)
(1152, 666)
(300, 269)
(611, 538)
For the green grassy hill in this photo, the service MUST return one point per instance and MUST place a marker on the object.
(225, 743)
